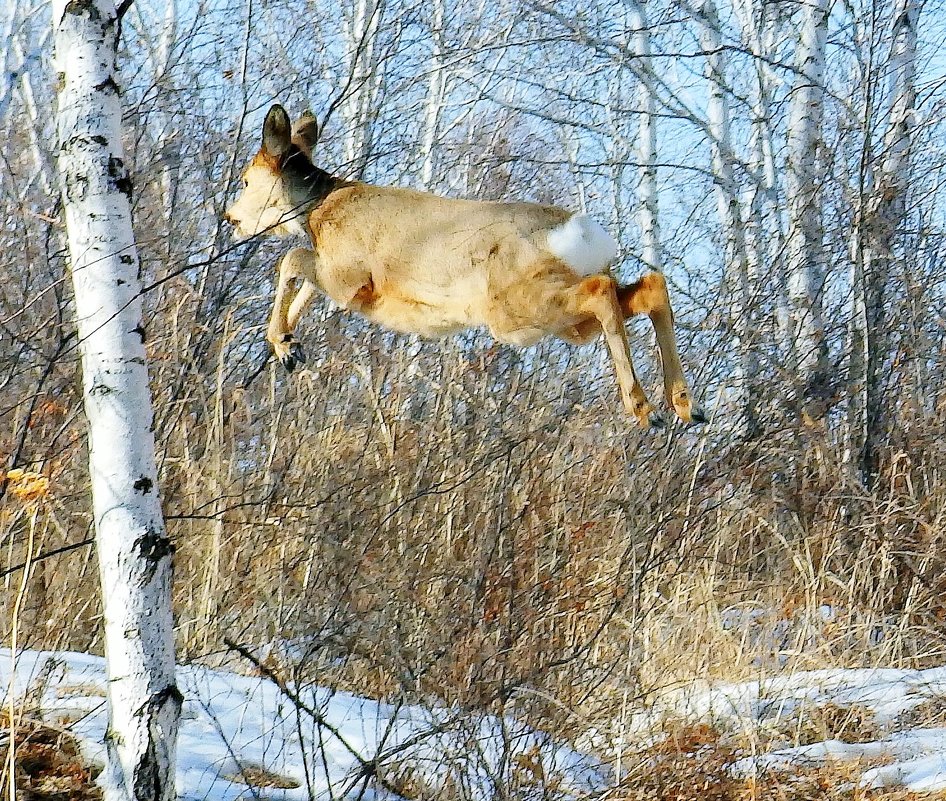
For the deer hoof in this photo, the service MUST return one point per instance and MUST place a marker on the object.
(293, 357)
(656, 420)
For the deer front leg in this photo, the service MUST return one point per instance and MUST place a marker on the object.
(300, 303)
(297, 264)
(350, 286)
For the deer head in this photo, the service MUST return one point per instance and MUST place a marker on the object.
(280, 184)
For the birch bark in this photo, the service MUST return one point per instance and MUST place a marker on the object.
(646, 142)
(41, 155)
(729, 209)
(882, 212)
(436, 92)
(764, 234)
(134, 552)
(365, 76)
(805, 229)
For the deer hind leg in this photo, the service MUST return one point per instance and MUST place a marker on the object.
(649, 296)
(582, 332)
(289, 304)
(597, 296)
(552, 301)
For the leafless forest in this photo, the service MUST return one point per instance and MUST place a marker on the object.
(465, 523)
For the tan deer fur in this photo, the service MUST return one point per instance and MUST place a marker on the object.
(418, 263)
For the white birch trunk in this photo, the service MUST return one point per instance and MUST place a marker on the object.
(134, 552)
(902, 96)
(736, 273)
(646, 143)
(41, 156)
(805, 229)
(436, 90)
(168, 145)
(764, 234)
(618, 150)
(361, 33)
(882, 211)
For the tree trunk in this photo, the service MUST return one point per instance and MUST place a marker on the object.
(646, 144)
(736, 271)
(436, 92)
(882, 211)
(805, 229)
(765, 243)
(364, 80)
(133, 550)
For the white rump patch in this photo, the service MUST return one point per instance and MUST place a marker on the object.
(583, 244)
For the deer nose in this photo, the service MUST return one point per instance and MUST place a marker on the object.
(227, 217)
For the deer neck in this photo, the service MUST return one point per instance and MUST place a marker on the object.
(307, 185)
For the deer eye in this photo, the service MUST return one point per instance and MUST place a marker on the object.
(245, 183)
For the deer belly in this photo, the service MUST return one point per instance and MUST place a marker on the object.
(414, 316)
(428, 308)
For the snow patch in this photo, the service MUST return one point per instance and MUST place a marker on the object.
(917, 754)
(233, 726)
(232, 723)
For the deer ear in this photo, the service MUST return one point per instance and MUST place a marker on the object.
(305, 133)
(276, 132)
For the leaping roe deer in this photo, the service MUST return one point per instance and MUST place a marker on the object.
(418, 263)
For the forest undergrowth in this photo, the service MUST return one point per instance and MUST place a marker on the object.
(540, 558)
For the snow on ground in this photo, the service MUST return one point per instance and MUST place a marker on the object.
(901, 753)
(236, 727)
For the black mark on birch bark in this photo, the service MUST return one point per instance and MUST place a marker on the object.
(108, 86)
(78, 7)
(148, 781)
(77, 187)
(118, 176)
(154, 546)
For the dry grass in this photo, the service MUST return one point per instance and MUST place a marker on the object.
(849, 724)
(464, 523)
(467, 524)
(48, 765)
(258, 776)
(550, 566)
(691, 763)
